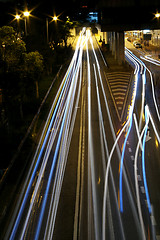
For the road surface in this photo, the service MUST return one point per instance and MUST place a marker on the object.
(95, 171)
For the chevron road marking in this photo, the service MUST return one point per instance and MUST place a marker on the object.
(118, 83)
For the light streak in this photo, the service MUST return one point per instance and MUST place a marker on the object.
(137, 130)
(154, 127)
(129, 54)
(143, 98)
(70, 98)
(90, 153)
(61, 166)
(151, 60)
(104, 143)
(153, 94)
(60, 173)
(122, 159)
(106, 180)
(143, 158)
(143, 134)
(46, 134)
(136, 61)
(137, 68)
(108, 164)
(128, 129)
(136, 182)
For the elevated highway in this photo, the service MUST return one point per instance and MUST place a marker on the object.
(115, 17)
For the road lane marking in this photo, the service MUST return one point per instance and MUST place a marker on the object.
(153, 220)
(129, 149)
(142, 189)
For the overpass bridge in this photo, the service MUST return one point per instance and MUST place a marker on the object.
(117, 16)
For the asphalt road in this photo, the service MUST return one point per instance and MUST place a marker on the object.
(95, 172)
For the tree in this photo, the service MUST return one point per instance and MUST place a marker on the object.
(64, 30)
(11, 49)
(34, 67)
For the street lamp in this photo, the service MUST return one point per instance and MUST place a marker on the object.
(26, 14)
(55, 18)
(17, 17)
(157, 15)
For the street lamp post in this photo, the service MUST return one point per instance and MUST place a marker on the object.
(18, 18)
(47, 28)
(26, 14)
(55, 18)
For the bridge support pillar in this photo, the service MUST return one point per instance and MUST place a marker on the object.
(113, 44)
(118, 46)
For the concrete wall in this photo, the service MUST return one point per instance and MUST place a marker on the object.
(116, 44)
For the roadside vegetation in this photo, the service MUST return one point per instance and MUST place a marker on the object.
(28, 65)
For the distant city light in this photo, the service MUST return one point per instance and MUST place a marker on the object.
(92, 17)
(146, 31)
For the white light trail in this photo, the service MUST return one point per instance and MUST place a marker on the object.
(61, 166)
(138, 67)
(91, 154)
(153, 94)
(143, 99)
(115, 145)
(122, 157)
(136, 181)
(143, 159)
(57, 113)
(63, 134)
(151, 60)
(154, 127)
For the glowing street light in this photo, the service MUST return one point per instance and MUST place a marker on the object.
(157, 15)
(17, 17)
(55, 18)
(26, 14)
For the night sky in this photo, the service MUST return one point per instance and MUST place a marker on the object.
(43, 6)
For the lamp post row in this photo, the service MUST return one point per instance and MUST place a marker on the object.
(26, 14)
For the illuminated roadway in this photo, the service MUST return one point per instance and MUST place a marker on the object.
(92, 173)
